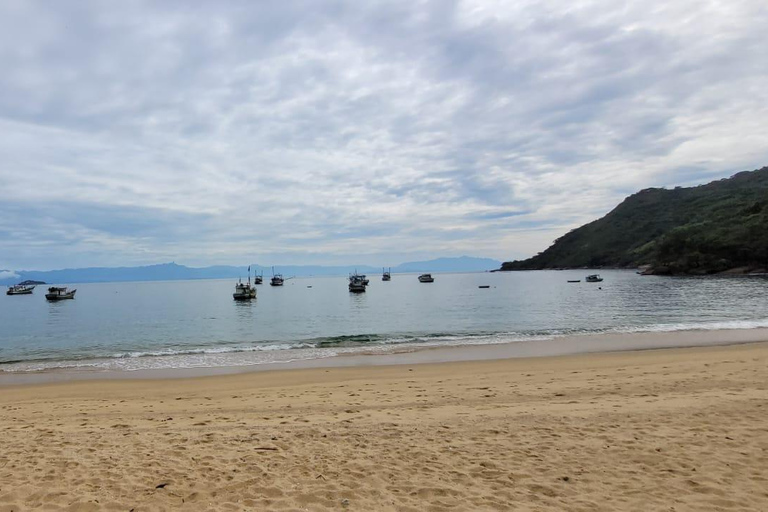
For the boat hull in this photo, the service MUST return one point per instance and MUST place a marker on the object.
(25, 292)
(54, 297)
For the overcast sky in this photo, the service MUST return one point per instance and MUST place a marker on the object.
(358, 132)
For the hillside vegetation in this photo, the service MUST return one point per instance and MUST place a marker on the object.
(706, 229)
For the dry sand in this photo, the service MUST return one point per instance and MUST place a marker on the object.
(682, 429)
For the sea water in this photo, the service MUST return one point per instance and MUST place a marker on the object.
(194, 324)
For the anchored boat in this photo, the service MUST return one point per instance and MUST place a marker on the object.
(59, 293)
(19, 289)
(244, 291)
(426, 278)
(277, 279)
(357, 283)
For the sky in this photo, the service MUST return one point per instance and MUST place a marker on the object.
(336, 132)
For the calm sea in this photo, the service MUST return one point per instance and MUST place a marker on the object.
(188, 324)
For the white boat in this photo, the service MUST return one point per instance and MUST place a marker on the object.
(258, 278)
(59, 293)
(593, 278)
(19, 289)
(386, 274)
(357, 283)
(426, 278)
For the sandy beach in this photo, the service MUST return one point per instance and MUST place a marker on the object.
(674, 429)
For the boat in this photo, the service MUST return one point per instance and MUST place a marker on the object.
(277, 279)
(574, 280)
(426, 278)
(593, 278)
(59, 293)
(484, 286)
(258, 278)
(244, 291)
(357, 283)
(386, 275)
(19, 289)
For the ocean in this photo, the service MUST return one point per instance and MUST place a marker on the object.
(196, 324)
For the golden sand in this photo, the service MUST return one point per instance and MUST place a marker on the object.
(682, 430)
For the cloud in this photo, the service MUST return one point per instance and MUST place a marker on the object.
(231, 131)
(8, 274)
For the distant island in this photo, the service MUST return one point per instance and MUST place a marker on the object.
(173, 271)
(718, 227)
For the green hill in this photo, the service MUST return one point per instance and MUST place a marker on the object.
(706, 229)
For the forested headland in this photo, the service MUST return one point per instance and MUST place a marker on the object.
(717, 227)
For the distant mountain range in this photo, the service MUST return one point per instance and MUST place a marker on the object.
(172, 271)
(718, 227)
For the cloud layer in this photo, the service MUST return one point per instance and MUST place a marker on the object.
(330, 132)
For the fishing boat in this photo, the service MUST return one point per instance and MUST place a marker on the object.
(357, 283)
(258, 278)
(277, 279)
(19, 289)
(426, 278)
(59, 293)
(244, 291)
(386, 275)
(593, 278)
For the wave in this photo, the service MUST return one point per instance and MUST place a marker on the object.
(245, 354)
(697, 326)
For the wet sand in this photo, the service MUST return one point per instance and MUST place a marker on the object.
(674, 429)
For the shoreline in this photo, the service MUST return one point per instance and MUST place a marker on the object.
(421, 355)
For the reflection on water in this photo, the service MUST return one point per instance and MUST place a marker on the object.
(57, 311)
(358, 301)
(245, 308)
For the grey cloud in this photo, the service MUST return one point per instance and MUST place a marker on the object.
(212, 131)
